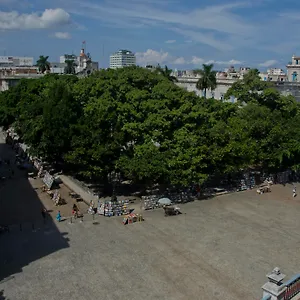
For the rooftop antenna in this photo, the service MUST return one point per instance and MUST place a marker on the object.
(84, 45)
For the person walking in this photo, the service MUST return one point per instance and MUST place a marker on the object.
(294, 192)
(58, 216)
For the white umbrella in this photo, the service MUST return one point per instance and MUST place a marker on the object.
(164, 201)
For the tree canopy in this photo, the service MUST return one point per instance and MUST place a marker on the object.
(70, 67)
(140, 124)
(43, 64)
(207, 80)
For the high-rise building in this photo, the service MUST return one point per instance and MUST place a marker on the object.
(122, 58)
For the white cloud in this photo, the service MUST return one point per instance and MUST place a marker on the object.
(161, 57)
(268, 63)
(207, 39)
(62, 35)
(170, 41)
(198, 24)
(152, 57)
(179, 61)
(50, 18)
(196, 60)
(229, 62)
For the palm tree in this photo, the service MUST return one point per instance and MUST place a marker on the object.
(207, 80)
(43, 64)
(166, 72)
(70, 66)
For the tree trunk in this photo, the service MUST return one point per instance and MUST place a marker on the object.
(205, 93)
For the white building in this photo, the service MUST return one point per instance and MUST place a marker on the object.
(122, 58)
(293, 69)
(83, 63)
(15, 61)
(274, 75)
(275, 71)
(63, 58)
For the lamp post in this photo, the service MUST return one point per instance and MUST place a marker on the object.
(114, 177)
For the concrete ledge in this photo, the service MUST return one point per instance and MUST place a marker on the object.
(76, 188)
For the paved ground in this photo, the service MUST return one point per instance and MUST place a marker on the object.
(221, 248)
(21, 198)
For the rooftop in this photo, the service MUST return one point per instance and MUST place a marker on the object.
(123, 51)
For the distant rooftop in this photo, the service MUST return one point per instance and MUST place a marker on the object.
(123, 51)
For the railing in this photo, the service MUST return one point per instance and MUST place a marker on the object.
(47, 223)
(292, 287)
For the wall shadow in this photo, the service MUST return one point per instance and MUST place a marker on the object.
(29, 237)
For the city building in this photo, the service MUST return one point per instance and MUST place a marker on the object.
(63, 58)
(83, 63)
(286, 84)
(15, 61)
(122, 58)
(274, 75)
(293, 69)
(15, 65)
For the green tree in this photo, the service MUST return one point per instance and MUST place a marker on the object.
(43, 64)
(70, 67)
(167, 73)
(249, 88)
(138, 123)
(207, 78)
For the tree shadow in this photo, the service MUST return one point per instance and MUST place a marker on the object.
(29, 237)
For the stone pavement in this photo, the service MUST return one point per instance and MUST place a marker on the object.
(221, 248)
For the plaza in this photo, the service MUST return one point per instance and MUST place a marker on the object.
(220, 248)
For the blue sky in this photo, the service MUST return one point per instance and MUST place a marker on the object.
(182, 34)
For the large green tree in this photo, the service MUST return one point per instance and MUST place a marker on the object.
(43, 64)
(138, 123)
(167, 73)
(70, 67)
(207, 80)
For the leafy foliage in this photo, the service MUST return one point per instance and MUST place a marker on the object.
(43, 64)
(207, 78)
(70, 67)
(139, 123)
(166, 72)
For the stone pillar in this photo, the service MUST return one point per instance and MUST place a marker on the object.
(274, 287)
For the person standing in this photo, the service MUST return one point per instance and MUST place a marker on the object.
(44, 215)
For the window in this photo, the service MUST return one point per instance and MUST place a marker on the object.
(294, 76)
(297, 62)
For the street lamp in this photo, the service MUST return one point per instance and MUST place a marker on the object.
(114, 178)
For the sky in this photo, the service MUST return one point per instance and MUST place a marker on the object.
(182, 34)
